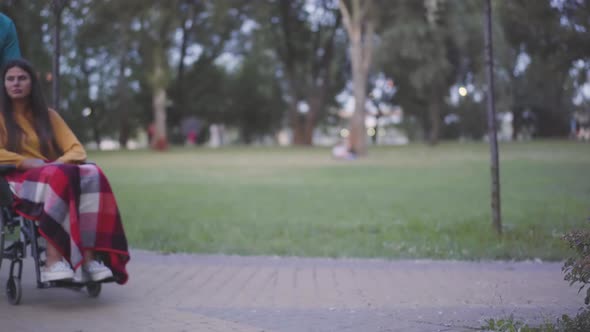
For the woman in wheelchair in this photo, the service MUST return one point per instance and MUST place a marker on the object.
(71, 201)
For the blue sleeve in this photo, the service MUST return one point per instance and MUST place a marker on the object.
(10, 48)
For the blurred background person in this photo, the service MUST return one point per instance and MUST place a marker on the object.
(9, 48)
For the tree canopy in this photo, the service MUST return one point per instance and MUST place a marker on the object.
(262, 67)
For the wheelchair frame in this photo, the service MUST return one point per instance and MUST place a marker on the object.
(16, 251)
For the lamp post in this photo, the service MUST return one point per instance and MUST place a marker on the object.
(494, 164)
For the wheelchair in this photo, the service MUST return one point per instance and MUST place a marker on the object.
(17, 234)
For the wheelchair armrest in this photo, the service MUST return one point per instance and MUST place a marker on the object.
(6, 168)
(6, 197)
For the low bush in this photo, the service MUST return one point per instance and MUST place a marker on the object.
(576, 270)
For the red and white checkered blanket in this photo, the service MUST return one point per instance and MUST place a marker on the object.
(76, 211)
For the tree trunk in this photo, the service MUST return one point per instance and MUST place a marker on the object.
(434, 119)
(308, 77)
(315, 104)
(159, 31)
(360, 27)
(123, 95)
(296, 124)
(357, 122)
(95, 131)
(187, 26)
(160, 139)
(159, 142)
(93, 118)
(321, 84)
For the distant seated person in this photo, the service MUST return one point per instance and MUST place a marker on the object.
(343, 150)
(191, 138)
(72, 202)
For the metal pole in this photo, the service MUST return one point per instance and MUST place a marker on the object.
(491, 110)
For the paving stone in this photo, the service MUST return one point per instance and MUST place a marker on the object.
(185, 292)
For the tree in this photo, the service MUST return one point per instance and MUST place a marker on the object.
(427, 47)
(210, 25)
(106, 51)
(359, 20)
(157, 25)
(551, 48)
(255, 109)
(304, 36)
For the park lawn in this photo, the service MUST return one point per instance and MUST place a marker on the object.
(410, 201)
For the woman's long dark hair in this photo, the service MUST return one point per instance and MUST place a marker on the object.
(41, 121)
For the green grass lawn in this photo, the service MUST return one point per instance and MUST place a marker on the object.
(400, 202)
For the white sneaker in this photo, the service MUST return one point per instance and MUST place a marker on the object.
(57, 271)
(97, 271)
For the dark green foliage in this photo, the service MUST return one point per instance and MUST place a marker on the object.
(427, 57)
(552, 47)
(579, 323)
(577, 268)
(256, 109)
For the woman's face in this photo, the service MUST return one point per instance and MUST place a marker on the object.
(17, 83)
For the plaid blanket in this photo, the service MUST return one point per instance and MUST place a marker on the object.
(76, 211)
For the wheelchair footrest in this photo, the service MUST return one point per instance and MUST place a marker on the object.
(71, 283)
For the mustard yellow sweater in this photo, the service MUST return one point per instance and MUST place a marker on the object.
(73, 151)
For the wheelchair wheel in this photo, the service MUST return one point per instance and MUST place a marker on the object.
(13, 290)
(1, 240)
(93, 289)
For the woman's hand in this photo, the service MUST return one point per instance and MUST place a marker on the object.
(31, 163)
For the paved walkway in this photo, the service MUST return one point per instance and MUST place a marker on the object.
(229, 293)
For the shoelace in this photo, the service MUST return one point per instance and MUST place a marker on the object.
(57, 267)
